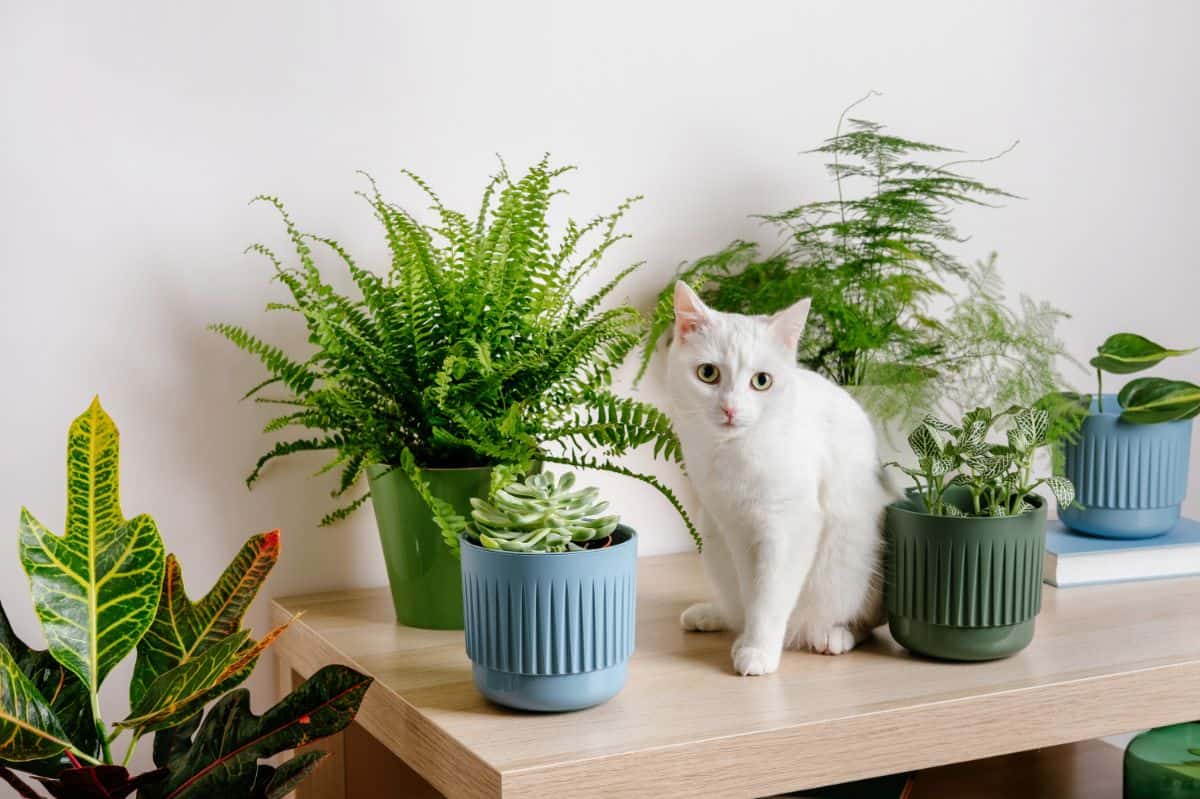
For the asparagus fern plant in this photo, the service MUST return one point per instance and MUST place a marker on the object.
(896, 316)
(105, 588)
(470, 349)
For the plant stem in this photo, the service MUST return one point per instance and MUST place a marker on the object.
(132, 745)
(100, 728)
(1100, 390)
(75, 756)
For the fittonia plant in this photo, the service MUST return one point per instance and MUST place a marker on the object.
(541, 514)
(998, 477)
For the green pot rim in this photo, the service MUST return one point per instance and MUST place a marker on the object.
(1037, 500)
(388, 467)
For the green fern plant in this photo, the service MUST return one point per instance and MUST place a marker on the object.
(896, 317)
(470, 349)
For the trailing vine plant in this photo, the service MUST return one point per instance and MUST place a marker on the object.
(470, 349)
(896, 316)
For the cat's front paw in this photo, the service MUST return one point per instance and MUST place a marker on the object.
(751, 661)
(836, 640)
(702, 617)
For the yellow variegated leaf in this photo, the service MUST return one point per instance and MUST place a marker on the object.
(95, 587)
(183, 630)
(181, 692)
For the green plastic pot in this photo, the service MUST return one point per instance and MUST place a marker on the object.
(1164, 763)
(963, 588)
(425, 576)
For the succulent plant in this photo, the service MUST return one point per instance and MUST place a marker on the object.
(541, 514)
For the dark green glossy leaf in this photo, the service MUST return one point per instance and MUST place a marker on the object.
(183, 630)
(276, 783)
(28, 728)
(221, 759)
(1125, 353)
(94, 588)
(63, 692)
(1150, 400)
(175, 739)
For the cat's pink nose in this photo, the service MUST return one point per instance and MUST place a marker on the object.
(729, 412)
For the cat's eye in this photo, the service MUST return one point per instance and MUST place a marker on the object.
(708, 373)
(761, 381)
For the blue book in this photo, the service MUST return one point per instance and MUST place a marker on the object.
(1074, 559)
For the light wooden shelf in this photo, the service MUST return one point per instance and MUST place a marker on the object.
(1105, 660)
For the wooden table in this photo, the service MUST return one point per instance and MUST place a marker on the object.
(1105, 660)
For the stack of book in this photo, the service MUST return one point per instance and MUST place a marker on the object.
(1073, 559)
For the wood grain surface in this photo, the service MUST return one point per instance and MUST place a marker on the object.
(1106, 659)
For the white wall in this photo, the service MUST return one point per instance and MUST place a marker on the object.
(133, 134)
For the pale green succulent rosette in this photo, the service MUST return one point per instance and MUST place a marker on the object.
(541, 514)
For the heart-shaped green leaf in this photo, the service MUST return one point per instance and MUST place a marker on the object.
(180, 693)
(1125, 353)
(63, 692)
(1150, 400)
(924, 443)
(1033, 424)
(28, 727)
(94, 588)
(1063, 489)
(222, 757)
(183, 629)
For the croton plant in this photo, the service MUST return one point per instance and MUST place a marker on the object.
(104, 589)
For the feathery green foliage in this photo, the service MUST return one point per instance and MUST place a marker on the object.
(896, 317)
(470, 350)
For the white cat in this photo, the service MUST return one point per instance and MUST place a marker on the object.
(787, 471)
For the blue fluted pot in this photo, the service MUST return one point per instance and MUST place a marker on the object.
(550, 631)
(1131, 479)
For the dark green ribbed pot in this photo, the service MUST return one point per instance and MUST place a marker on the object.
(1164, 763)
(963, 588)
(425, 576)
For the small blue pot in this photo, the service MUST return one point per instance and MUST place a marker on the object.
(1131, 479)
(550, 631)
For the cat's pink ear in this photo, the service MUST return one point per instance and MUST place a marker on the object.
(691, 313)
(788, 324)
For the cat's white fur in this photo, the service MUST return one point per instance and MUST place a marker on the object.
(789, 480)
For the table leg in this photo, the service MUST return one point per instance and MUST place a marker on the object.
(358, 766)
(329, 779)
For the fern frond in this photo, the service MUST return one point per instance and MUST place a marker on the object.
(896, 317)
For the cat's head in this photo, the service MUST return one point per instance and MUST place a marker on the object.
(725, 369)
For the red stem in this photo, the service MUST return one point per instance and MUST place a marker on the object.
(74, 760)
